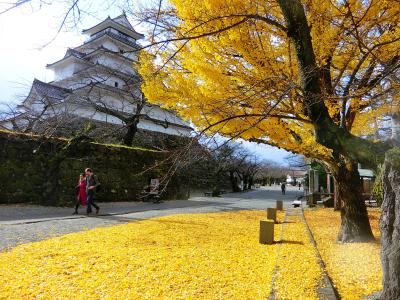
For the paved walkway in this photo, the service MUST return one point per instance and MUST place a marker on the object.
(294, 216)
(27, 223)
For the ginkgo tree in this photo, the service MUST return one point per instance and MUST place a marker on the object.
(312, 77)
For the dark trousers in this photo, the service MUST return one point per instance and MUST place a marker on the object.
(90, 202)
(77, 204)
(283, 191)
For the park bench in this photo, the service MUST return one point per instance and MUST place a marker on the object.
(369, 200)
(326, 201)
(371, 203)
(297, 202)
(214, 193)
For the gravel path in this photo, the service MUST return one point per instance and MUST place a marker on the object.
(27, 223)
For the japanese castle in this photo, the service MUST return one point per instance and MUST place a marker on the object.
(96, 83)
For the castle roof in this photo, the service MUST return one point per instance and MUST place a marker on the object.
(74, 52)
(116, 37)
(70, 53)
(47, 90)
(119, 23)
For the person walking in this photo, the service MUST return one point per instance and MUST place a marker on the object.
(283, 188)
(80, 193)
(92, 184)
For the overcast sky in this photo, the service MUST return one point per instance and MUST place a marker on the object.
(29, 41)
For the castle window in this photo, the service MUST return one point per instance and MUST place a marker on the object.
(116, 84)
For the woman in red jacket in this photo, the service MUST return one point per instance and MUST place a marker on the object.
(80, 193)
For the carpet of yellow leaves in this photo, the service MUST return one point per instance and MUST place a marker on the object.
(354, 268)
(299, 272)
(198, 256)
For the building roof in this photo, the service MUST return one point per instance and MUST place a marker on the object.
(120, 23)
(85, 57)
(105, 50)
(102, 70)
(111, 35)
(123, 20)
(297, 173)
(366, 173)
(70, 53)
(74, 52)
(47, 90)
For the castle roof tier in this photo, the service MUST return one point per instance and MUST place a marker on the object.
(119, 23)
(46, 93)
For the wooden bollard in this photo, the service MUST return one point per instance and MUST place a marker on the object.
(279, 204)
(267, 232)
(271, 213)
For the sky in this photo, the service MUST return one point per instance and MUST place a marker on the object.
(29, 39)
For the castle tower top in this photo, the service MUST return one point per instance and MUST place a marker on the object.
(119, 26)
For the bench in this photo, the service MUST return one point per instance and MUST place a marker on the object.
(296, 203)
(208, 194)
(371, 203)
(326, 201)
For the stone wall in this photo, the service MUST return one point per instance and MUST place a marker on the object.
(46, 170)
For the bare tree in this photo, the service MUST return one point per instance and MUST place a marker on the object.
(271, 172)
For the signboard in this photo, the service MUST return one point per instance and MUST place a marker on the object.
(154, 186)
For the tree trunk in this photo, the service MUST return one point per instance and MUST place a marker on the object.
(131, 132)
(355, 225)
(390, 226)
(338, 201)
(251, 181)
(244, 185)
(234, 182)
(396, 125)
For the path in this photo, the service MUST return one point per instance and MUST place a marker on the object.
(26, 223)
(297, 246)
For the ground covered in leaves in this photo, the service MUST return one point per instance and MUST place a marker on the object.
(193, 256)
(298, 271)
(198, 256)
(355, 268)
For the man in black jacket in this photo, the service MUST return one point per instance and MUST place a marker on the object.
(92, 183)
(283, 188)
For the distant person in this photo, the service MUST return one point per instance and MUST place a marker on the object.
(80, 193)
(92, 184)
(283, 188)
(299, 185)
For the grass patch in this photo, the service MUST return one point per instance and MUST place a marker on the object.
(126, 147)
(64, 139)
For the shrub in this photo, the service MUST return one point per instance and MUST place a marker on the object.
(377, 190)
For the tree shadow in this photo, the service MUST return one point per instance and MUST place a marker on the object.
(289, 242)
(286, 222)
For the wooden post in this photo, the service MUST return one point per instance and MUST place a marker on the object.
(328, 182)
(271, 214)
(279, 204)
(266, 232)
